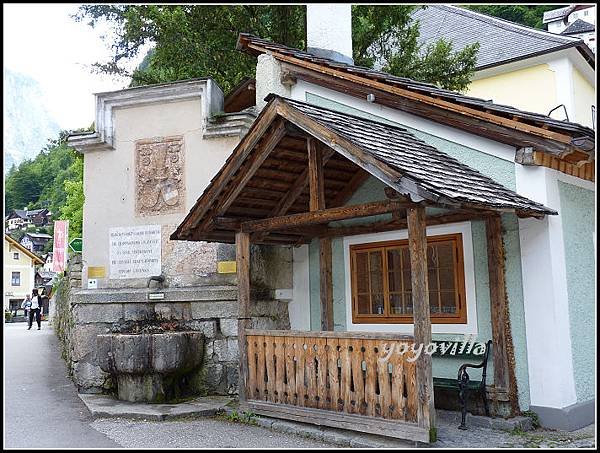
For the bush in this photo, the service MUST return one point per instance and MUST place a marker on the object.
(8, 316)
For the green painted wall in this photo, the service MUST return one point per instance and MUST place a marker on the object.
(578, 223)
(498, 169)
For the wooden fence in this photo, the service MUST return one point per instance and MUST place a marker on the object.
(352, 380)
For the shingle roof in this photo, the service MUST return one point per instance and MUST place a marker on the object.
(500, 40)
(431, 169)
(413, 85)
(579, 26)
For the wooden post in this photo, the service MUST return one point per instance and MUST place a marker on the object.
(317, 202)
(242, 255)
(326, 283)
(495, 251)
(417, 243)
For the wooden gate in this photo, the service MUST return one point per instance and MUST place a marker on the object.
(353, 380)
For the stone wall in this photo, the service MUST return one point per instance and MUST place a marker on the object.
(210, 310)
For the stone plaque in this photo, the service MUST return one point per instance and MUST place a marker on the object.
(160, 183)
(135, 252)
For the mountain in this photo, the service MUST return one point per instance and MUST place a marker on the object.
(27, 123)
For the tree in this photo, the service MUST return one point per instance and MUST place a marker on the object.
(530, 15)
(72, 209)
(198, 41)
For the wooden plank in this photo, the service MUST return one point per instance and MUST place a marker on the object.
(301, 389)
(322, 388)
(326, 284)
(242, 241)
(333, 376)
(346, 378)
(251, 385)
(270, 367)
(280, 375)
(361, 423)
(323, 216)
(417, 243)
(358, 400)
(371, 384)
(290, 370)
(261, 368)
(495, 253)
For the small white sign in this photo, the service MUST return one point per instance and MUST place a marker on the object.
(156, 296)
(135, 252)
(92, 283)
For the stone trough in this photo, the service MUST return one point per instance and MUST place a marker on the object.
(152, 367)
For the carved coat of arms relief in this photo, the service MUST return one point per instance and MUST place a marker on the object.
(160, 179)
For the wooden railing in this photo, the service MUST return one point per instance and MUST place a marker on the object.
(354, 373)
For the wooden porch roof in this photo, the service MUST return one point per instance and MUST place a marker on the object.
(266, 176)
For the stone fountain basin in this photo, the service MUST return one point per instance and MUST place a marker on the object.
(145, 364)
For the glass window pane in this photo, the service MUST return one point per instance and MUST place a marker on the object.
(449, 302)
(447, 278)
(434, 304)
(396, 304)
(377, 308)
(432, 259)
(362, 275)
(376, 275)
(405, 258)
(364, 301)
(445, 253)
(408, 304)
(407, 281)
(393, 256)
(432, 282)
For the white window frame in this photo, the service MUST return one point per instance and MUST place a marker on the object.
(470, 328)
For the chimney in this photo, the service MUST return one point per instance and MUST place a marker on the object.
(329, 31)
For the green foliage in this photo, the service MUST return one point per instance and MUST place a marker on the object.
(8, 316)
(246, 417)
(530, 15)
(535, 419)
(72, 209)
(53, 179)
(199, 41)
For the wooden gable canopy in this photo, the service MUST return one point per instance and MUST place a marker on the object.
(264, 186)
(563, 139)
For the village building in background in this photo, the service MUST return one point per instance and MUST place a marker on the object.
(22, 219)
(36, 242)
(20, 266)
(533, 70)
(336, 209)
(577, 21)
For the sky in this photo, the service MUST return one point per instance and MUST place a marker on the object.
(45, 43)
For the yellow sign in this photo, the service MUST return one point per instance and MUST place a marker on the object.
(226, 267)
(96, 272)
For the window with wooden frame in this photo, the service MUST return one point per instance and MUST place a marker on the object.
(381, 281)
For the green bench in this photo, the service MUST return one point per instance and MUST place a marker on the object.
(463, 384)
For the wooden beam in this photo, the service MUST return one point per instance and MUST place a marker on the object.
(417, 243)
(315, 176)
(323, 216)
(421, 97)
(436, 113)
(242, 257)
(249, 168)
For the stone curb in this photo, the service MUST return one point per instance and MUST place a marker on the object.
(521, 423)
(103, 406)
(334, 436)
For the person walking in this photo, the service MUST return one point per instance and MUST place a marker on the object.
(36, 306)
(26, 305)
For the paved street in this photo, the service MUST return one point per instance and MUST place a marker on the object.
(42, 409)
